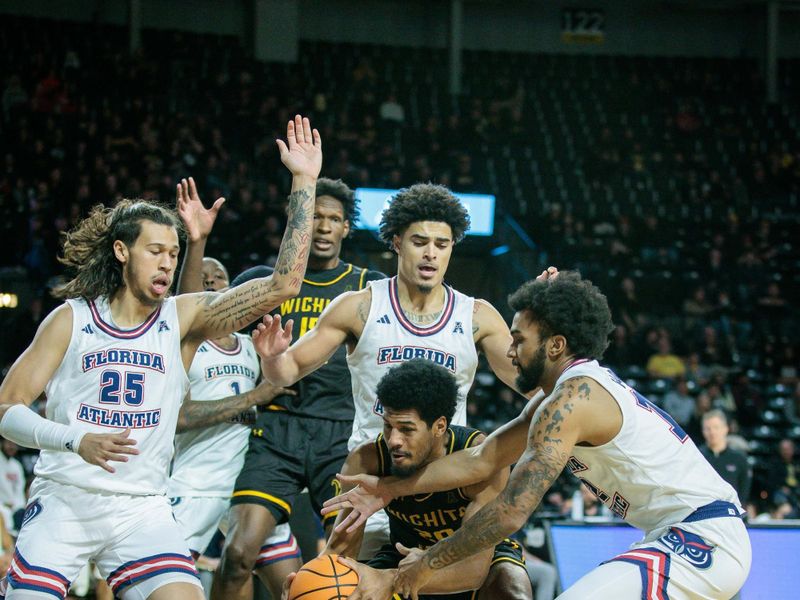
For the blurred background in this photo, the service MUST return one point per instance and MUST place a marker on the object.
(652, 145)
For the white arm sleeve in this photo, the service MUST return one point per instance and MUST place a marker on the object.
(24, 427)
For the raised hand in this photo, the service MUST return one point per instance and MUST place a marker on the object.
(548, 273)
(197, 220)
(270, 339)
(412, 572)
(302, 151)
(367, 498)
(99, 448)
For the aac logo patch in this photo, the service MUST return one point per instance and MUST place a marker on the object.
(31, 511)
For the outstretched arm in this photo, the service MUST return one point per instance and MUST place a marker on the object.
(196, 414)
(210, 315)
(198, 223)
(459, 469)
(555, 430)
(282, 364)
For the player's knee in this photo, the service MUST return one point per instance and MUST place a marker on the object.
(238, 559)
(506, 582)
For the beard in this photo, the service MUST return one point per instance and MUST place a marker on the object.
(404, 471)
(425, 288)
(530, 376)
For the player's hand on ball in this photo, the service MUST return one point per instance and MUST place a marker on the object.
(270, 339)
(99, 448)
(412, 572)
(373, 584)
(365, 499)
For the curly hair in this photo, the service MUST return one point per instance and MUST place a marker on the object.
(570, 306)
(89, 247)
(424, 202)
(421, 385)
(336, 188)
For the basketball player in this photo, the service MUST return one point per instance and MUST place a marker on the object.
(414, 314)
(113, 358)
(301, 442)
(207, 462)
(419, 399)
(630, 453)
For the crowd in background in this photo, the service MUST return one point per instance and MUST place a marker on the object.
(670, 184)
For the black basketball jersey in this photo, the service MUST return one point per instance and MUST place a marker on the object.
(325, 393)
(421, 521)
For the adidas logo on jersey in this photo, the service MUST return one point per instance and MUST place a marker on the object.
(384, 319)
(202, 348)
(88, 329)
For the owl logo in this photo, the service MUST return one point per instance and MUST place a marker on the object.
(690, 546)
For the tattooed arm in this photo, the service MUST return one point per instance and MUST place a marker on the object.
(459, 469)
(342, 321)
(564, 419)
(210, 315)
(196, 414)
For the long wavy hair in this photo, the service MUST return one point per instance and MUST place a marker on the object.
(89, 248)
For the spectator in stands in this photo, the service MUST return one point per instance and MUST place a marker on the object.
(702, 404)
(391, 110)
(792, 406)
(620, 353)
(678, 403)
(12, 485)
(697, 307)
(784, 476)
(776, 512)
(696, 372)
(630, 309)
(720, 392)
(664, 363)
(731, 464)
(713, 352)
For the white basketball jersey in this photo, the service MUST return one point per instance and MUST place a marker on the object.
(389, 338)
(208, 460)
(651, 474)
(112, 379)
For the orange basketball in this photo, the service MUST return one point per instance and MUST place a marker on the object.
(323, 578)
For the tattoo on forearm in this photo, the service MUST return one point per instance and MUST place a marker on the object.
(294, 247)
(539, 467)
(202, 413)
(247, 302)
